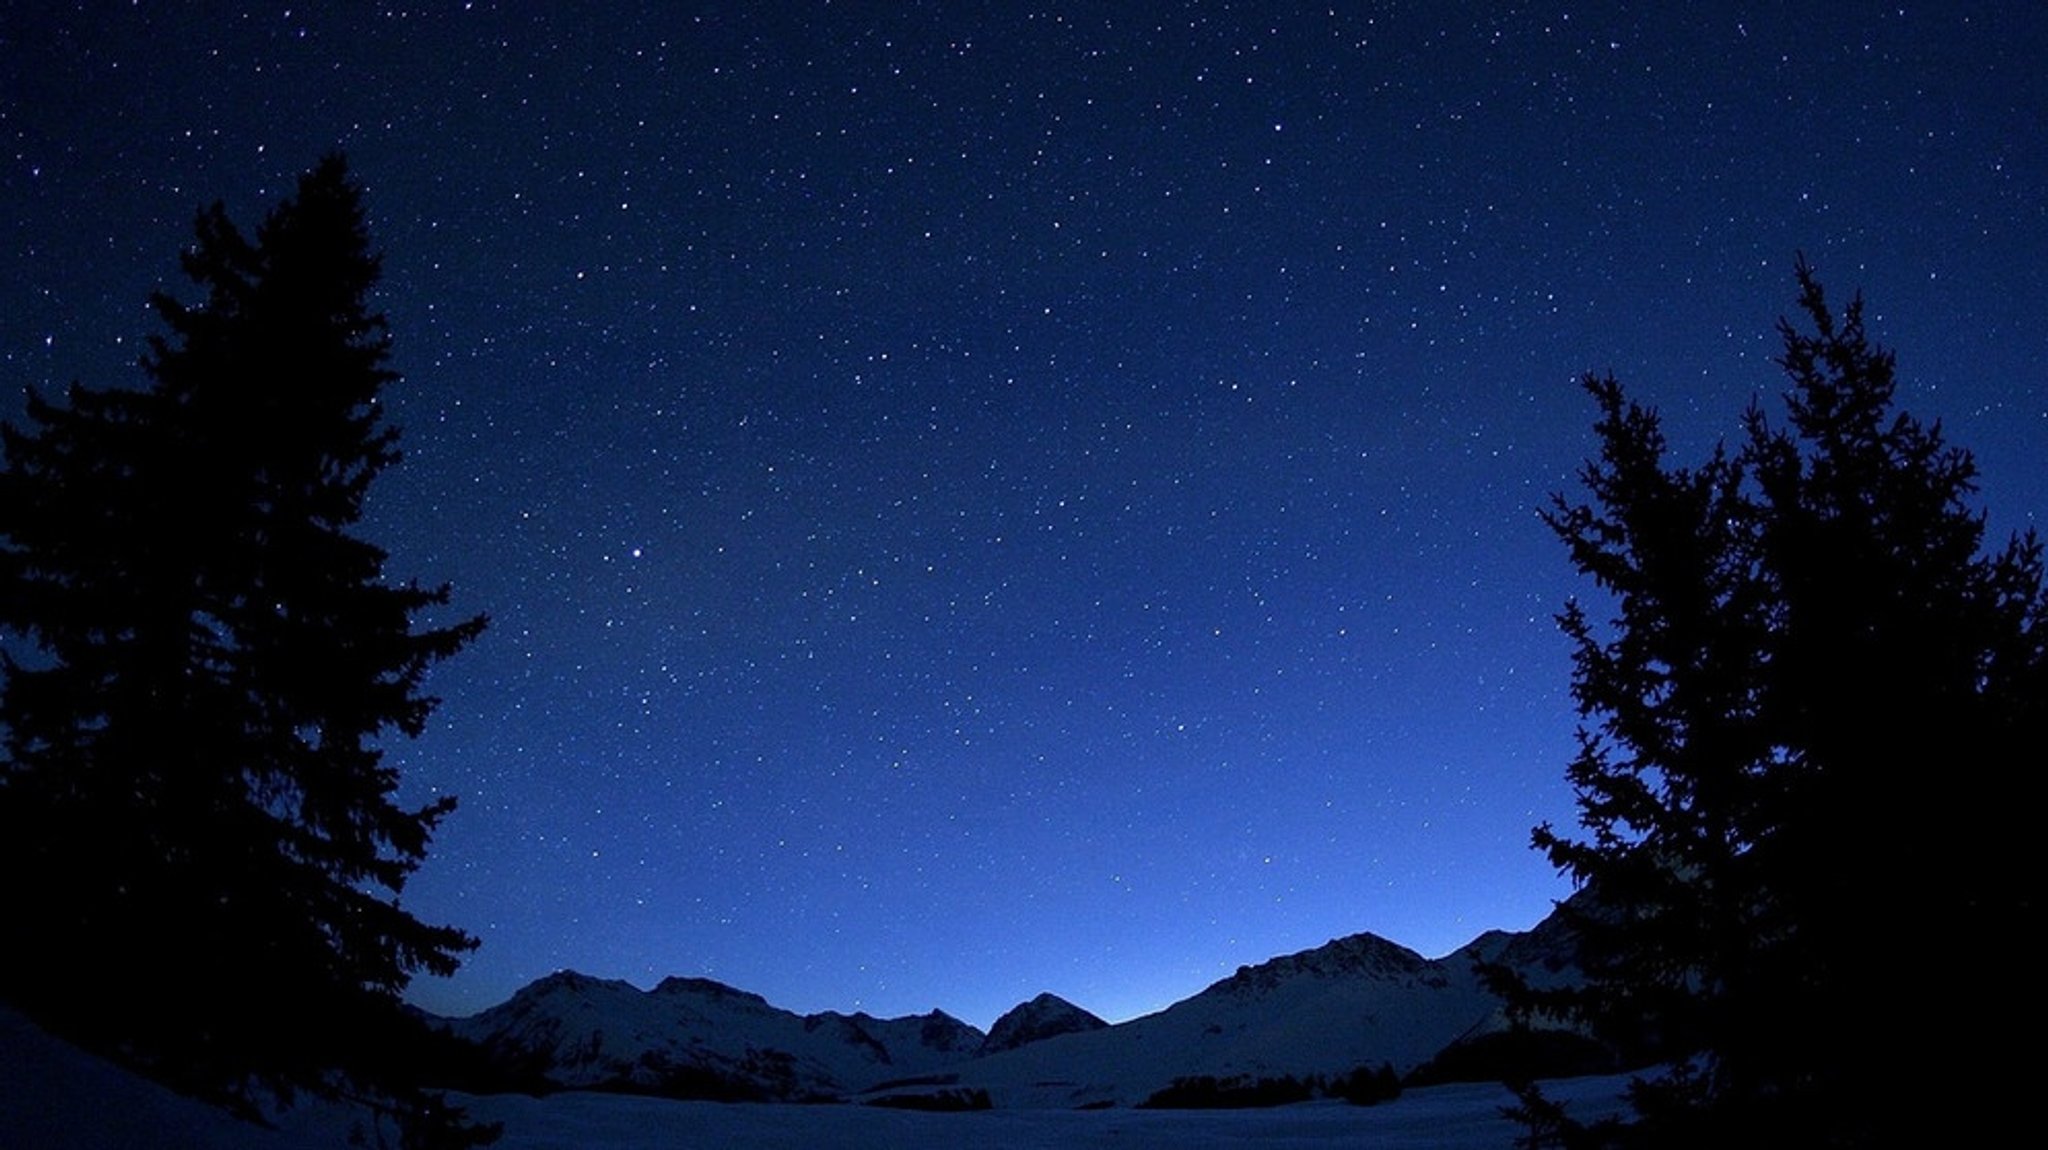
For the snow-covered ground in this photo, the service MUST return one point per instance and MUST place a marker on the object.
(55, 1097)
(1442, 1118)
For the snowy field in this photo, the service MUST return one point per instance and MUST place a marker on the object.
(54, 1097)
(1448, 1117)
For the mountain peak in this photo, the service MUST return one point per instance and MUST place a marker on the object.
(1042, 1017)
(705, 988)
(1352, 955)
(574, 982)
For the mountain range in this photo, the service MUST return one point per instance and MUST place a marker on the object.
(1355, 1002)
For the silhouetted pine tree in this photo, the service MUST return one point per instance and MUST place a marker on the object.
(1809, 774)
(203, 848)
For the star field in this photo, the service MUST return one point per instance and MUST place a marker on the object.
(985, 498)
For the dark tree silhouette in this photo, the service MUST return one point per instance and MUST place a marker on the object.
(200, 831)
(1808, 775)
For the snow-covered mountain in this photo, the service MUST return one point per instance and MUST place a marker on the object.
(695, 1038)
(1355, 1001)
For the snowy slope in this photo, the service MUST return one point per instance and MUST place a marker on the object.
(1356, 1001)
(54, 1096)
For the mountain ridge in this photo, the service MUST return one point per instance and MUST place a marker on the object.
(1356, 1001)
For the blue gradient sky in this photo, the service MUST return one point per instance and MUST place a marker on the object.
(986, 498)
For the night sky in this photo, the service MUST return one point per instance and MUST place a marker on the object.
(982, 498)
